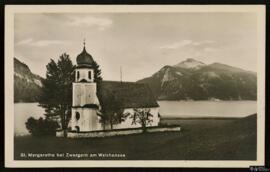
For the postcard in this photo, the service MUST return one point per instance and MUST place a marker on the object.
(134, 85)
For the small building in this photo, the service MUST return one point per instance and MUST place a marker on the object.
(87, 105)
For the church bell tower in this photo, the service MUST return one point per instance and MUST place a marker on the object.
(85, 104)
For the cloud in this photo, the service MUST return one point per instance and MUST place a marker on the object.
(205, 42)
(25, 41)
(177, 45)
(210, 49)
(90, 21)
(40, 43)
(184, 43)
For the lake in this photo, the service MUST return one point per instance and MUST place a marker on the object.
(207, 108)
(22, 112)
(170, 109)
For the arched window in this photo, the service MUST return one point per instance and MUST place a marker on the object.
(89, 74)
(77, 115)
(77, 128)
(78, 74)
(83, 80)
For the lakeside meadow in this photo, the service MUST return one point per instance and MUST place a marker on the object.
(199, 139)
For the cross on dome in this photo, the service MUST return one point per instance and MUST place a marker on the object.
(84, 58)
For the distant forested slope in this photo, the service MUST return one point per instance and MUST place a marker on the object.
(27, 86)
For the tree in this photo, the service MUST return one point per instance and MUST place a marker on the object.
(111, 117)
(97, 72)
(112, 112)
(56, 96)
(97, 77)
(115, 116)
(141, 116)
(41, 127)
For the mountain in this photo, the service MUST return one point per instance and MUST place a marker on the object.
(190, 64)
(194, 80)
(27, 86)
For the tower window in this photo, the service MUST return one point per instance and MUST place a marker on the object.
(78, 75)
(89, 74)
(77, 116)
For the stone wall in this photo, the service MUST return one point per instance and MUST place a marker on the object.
(59, 133)
(162, 129)
(102, 133)
(116, 132)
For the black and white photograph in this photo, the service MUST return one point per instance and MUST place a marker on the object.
(134, 86)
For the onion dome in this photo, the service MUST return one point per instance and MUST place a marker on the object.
(84, 58)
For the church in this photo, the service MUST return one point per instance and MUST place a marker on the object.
(87, 105)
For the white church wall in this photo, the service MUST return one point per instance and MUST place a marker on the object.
(84, 93)
(91, 93)
(82, 73)
(88, 120)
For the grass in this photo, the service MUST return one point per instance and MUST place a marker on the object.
(199, 139)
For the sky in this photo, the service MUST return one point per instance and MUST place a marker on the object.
(142, 43)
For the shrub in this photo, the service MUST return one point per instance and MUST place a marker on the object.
(41, 127)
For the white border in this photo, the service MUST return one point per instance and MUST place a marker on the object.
(10, 10)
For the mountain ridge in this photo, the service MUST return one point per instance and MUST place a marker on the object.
(199, 81)
(27, 86)
(187, 80)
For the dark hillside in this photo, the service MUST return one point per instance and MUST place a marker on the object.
(27, 86)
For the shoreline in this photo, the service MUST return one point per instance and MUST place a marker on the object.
(201, 118)
(162, 100)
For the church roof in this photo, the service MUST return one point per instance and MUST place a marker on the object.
(84, 59)
(129, 94)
